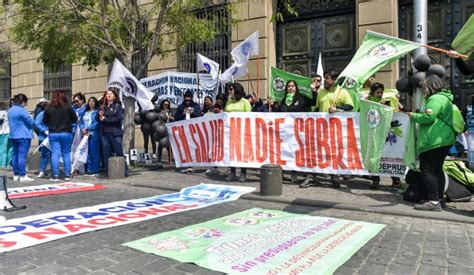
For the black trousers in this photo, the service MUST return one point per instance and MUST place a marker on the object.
(149, 137)
(431, 166)
(233, 170)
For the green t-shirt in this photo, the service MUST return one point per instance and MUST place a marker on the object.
(327, 98)
(243, 105)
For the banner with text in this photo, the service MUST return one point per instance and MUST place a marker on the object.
(37, 229)
(260, 241)
(173, 85)
(310, 142)
(51, 189)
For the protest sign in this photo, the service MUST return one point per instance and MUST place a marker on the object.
(309, 142)
(173, 85)
(260, 241)
(51, 189)
(37, 229)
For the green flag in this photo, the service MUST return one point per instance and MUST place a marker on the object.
(376, 51)
(463, 43)
(279, 78)
(375, 122)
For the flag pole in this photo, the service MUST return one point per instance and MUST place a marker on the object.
(198, 97)
(258, 92)
(251, 84)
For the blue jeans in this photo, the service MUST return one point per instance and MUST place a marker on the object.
(112, 145)
(45, 158)
(61, 145)
(93, 157)
(20, 153)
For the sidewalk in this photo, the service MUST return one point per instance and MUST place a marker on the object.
(354, 194)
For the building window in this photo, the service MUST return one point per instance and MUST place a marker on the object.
(217, 50)
(5, 77)
(60, 80)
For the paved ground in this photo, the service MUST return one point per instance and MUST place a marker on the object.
(406, 246)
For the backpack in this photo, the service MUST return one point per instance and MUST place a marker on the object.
(457, 125)
(459, 171)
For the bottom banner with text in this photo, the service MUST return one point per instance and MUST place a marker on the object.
(260, 241)
(33, 230)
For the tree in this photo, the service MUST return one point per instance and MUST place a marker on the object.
(97, 31)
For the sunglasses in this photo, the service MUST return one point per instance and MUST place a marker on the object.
(76, 101)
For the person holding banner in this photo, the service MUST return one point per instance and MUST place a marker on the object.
(376, 95)
(90, 127)
(79, 107)
(42, 131)
(60, 117)
(333, 99)
(434, 139)
(188, 109)
(237, 103)
(292, 101)
(110, 116)
(21, 133)
(208, 106)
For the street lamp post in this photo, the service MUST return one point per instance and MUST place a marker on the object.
(420, 26)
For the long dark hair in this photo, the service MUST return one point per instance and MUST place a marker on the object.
(20, 99)
(162, 104)
(96, 105)
(116, 100)
(297, 93)
(239, 92)
(80, 96)
(433, 83)
(374, 87)
(59, 99)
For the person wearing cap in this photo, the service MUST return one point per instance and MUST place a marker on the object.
(188, 109)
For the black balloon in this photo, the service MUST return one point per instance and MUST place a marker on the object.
(156, 108)
(137, 119)
(161, 130)
(156, 137)
(164, 142)
(417, 79)
(163, 117)
(403, 84)
(151, 116)
(143, 114)
(156, 123)
(154, 98)
(146, 127)
(422, 62)
(438, 70)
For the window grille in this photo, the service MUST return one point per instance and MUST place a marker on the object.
(5, 77)
(60, 80)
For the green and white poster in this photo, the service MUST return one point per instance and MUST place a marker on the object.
(279, 78)
(260, 241)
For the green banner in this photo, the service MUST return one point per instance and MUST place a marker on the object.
(375, 123)
(376, 51)
(279, 78)
(260, 241)
(464, 41)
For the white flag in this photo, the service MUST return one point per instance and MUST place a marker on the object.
(128, 85)
(44, 143)
(246, 49)
(235, 71)
(80, 155)
(209, 65)
(320, 70)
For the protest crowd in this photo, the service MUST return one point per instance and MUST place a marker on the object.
(64, 127)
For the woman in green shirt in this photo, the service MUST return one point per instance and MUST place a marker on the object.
(237, 103)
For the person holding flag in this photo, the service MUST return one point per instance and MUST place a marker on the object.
(60, 117)
(42, 131)
(332, 99)
(110, 116)
(91, 127)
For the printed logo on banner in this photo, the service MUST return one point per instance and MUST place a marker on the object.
(382, 51)
(279, 84)
(132, 86)
(204, 233)
(373, 118)
(172, 244)
(241, 221)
